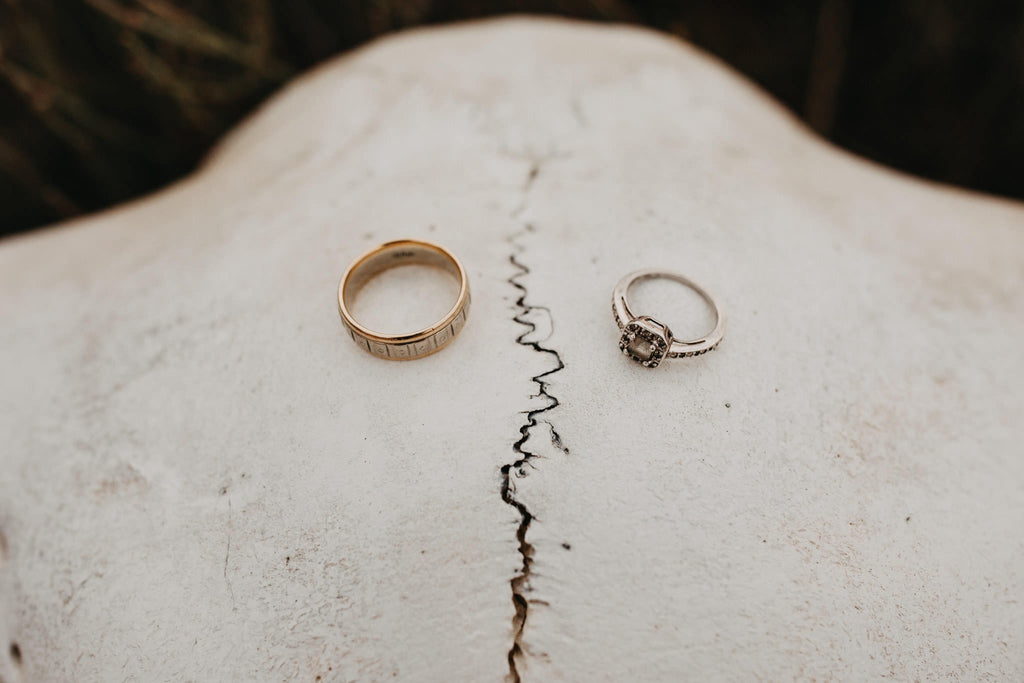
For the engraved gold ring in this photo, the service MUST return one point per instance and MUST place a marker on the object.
(391, 255)
(648, 341)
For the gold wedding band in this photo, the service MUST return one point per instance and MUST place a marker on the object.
(391, 255)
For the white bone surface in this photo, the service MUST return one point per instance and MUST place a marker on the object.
(203, 478)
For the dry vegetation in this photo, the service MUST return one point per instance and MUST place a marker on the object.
(101, 100)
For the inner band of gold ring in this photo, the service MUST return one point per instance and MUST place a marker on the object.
(391, 255)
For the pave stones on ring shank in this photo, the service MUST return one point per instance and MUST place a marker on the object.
(646, 341)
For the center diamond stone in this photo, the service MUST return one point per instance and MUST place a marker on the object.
(646, 341)
(641, 348)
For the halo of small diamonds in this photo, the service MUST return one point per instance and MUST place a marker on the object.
(645, 341)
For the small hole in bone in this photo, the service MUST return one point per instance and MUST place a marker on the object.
(405, 299)
(15, 654)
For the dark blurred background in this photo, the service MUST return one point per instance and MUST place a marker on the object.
(102, 100)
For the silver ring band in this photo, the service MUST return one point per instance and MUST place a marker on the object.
(648, 341)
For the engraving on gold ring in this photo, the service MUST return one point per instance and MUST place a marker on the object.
(416, 344)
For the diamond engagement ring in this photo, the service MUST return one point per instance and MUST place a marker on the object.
(649, 341)
(414, 344)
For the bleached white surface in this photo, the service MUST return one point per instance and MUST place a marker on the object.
(205, 479)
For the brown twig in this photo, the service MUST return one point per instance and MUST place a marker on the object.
(827, 65)
(156, 71)
(175, 26)
(47, 97)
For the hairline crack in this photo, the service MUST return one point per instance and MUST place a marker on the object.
(524, 457)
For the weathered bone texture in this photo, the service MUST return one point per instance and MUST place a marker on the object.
(205, 479)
